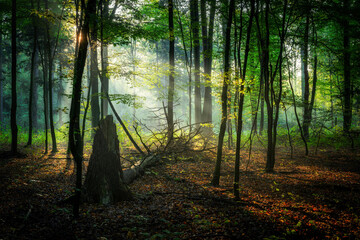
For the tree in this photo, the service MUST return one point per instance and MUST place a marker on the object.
(1, 79)
(194, 11)
(171, 88)
(104, 182)
(216, 175)
(347, 112)
(14, 129)
(32, 77)
(104, 12)
(305, 74)
(75, 138)
(241, 103)
(95, 109)
(207, 39)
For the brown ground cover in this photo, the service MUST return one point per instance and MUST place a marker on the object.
(315, 197)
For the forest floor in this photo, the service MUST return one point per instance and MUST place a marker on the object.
(314, 197)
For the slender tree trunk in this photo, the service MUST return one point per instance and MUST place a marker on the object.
(188, 61)
(216, 176)
(14, 128)
(295, 111)
(133, 56)
(305, 72)
(172, 69)
(51, 110)
(207, 38)
(50, 60)
(241, 104)
(75, 139)
(347, 112)
(267, 92)
(313, 90)
(2, 124)
(45, 101)
(32, 81)
(194, 12)
(261, 59)
(104, 60)
(95, 109)
(270, 163)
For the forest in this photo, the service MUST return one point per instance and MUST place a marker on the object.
(179, 119)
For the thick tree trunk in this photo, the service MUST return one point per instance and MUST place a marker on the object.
(104, 179)
(216, 176)
(14, 129)
(194, 12)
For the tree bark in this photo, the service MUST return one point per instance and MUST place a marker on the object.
(347, 112)
(275, 100)
(95, 109)
(305, 77)
(216, 175)
(50, 60)
(194, 12)
(14, 128)
(75, 139)
(241, 104)
(2, 124)
(104, 60)
(104, 179)
(207, 39)
(32, 82)
(172, 69)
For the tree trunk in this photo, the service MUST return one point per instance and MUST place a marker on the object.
(32, 82)
(194, 12)
(75, 139)
(347, 112)
(45, 100)
(104, 60)
(188, 61)
(60, 95)
(241, 104)
(267, 90)
(171, 75)
(14, 129)
(2, 124)
(50, 60)
(104, 179)
(207, 38)
(95, 109)
(305, 77)
(216, 176)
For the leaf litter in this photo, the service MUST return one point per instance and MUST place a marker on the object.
(316, 197)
